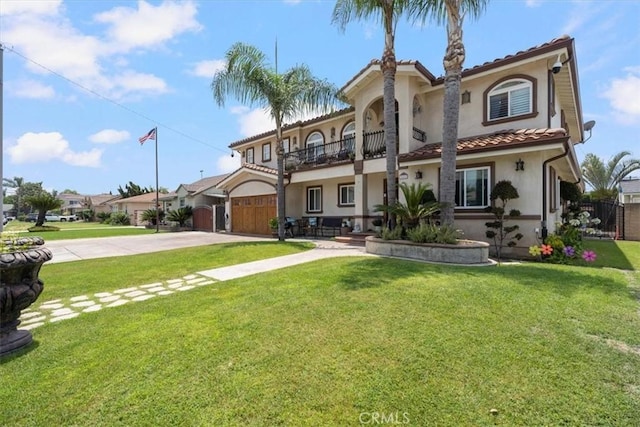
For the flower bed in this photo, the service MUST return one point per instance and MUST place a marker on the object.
(465, 252)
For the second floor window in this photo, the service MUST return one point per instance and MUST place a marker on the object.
(509, 99)
(250, 158)
(472, 187)
(315, 145)
(266, 152)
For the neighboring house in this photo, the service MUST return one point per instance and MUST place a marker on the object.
(629, 191)
(203, 197)
(100, 203)
(520, 118)
(135, 206)
(73, 203)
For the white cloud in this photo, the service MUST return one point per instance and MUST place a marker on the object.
(109, 136)
(292, 1)
(47, 146)
(148, 26)
(41, 32)
(207, 68)
(624, 96)
(226, 163)
(253, 122)
(533, 3)
(31, 89)
(38, 7)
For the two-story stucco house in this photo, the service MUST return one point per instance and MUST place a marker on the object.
(520, 117)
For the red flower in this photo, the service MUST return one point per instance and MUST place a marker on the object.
(547, 249)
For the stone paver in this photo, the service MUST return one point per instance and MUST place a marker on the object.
(64, 309)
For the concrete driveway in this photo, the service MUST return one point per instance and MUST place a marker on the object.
(79, 249)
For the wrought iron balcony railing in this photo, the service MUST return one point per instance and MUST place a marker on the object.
(331, 152)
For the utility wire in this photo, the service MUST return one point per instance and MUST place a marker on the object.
(105, 98)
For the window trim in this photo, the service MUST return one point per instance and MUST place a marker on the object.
(491, 166)
(534, 100)
(341, 203)
(554, 190)
(309, 190)
(345, 127)
(265, 145)
(253, 159)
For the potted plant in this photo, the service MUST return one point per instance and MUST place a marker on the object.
(20, 261)
(273, 225)
(377, 224)
(345, 228)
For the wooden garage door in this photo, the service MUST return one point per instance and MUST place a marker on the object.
(251, 214)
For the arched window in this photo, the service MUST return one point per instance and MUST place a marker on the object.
(509, 99)
(349, 130)
(315, 145)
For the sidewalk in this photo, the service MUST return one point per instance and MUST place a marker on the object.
(73, 250)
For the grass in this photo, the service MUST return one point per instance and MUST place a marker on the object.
(311, 345)
(76, 230)
(66, 280)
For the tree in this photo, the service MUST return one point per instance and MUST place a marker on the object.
(26, 190)
(453, 13)
(16, 183)
(249, 78)
(132, 189)
(180, 215)
(605, 179)
(43, 202)
(388, 12)
(498, 230)
(415, 207)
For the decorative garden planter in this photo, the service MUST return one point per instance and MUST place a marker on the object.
(19, 288)
(466, 252)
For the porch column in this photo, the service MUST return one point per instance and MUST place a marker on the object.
(361, 208)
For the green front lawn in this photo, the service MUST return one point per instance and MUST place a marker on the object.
(336, 342)
(75, 230)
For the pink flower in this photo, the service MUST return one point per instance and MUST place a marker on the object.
(589, 256)
(547, 249)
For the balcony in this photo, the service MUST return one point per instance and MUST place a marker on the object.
(337, 151)
(374, 145)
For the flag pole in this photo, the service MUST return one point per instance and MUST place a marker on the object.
(157, 189)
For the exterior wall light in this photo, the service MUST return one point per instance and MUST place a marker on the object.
(520, 165)
(418, 174)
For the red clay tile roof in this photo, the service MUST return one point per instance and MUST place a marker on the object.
(299, 123)
(260, 168)
(495, 141)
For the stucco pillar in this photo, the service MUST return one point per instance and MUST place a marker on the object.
(361, 202)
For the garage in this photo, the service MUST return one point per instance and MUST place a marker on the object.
(251, 214)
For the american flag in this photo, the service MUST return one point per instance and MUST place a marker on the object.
(149, 135)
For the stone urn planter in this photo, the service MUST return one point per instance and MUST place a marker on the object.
(20, 263)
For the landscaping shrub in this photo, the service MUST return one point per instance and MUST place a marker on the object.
(432, 233)
(119, 218)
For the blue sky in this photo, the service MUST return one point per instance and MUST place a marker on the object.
(84, 79)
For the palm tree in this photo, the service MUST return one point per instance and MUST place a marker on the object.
(452, 12)
(43, 202)
(181, 215)
(249, 78)
(417, 205)
(388, 12)
(605, 179)
(16, 183)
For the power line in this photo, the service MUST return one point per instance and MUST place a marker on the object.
(105, 98)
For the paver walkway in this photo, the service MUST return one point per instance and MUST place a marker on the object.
(68, 308)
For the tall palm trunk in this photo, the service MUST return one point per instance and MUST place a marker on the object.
(280, 201)
(453, 60)
(388, 68)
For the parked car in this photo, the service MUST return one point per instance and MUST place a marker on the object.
(32, 217)
(4, 220)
